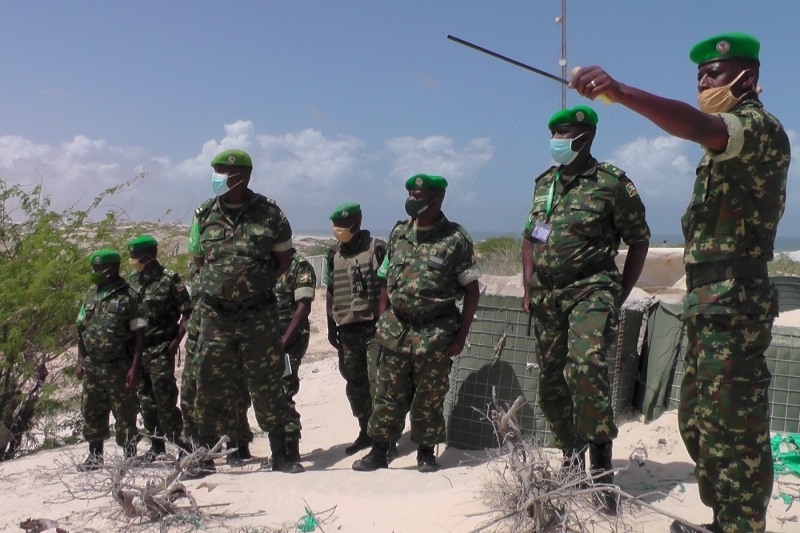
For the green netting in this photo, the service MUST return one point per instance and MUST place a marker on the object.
(498, 354)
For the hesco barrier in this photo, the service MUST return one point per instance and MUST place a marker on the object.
(499, 355)
(783, 360)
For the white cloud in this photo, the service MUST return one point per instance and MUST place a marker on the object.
(660, 167)
(437, 155)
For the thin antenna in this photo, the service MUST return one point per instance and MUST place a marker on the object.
(563, 60)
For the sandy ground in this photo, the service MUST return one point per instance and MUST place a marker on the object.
(399, 500)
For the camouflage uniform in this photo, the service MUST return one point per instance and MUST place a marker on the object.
(575, 294)
(355, 315)
(425, 272)
(238, 329)
(164, 300)
(109, 318)
(729, 227)
(297, 283)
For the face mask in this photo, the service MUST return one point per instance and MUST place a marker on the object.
(719, 99)
(561, 150)
(137, 265)
(98, 277)
(415, 208)
(344, 235)
(219, 182)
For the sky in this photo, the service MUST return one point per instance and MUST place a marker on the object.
(343, 101)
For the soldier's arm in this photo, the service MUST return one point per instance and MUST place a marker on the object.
(132, 379)
(305, 283)
(283, 261)
(81, 353)
(528, 268)
(634, 263)
(183, 302)
(471, 297)
(333, 333)
(675, 117)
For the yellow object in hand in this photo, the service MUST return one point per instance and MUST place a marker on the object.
(603, 98)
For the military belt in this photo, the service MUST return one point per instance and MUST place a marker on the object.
(420, 319)
(250, 304)
(155, 340)
(564, 277)
(698, 274)
(355, 326)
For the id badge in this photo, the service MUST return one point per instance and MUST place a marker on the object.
(541, 232)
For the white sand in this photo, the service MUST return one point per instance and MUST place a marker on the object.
(397, 500)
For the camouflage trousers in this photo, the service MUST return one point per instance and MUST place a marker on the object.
(296, 350)
(103, 393)
(158, 393)
(358, 365)
(724, 417)
(232, 345)
(242, 434)
(415, 383)
(574, 336)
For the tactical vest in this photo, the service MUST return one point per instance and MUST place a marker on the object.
(350, 306)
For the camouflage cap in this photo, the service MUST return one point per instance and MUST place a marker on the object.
(104, 257)
(144, 242)
(726, 46)
(237, 158)
(424, 181)
(345, 210)
(580, 114)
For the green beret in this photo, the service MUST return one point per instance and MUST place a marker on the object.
(238, 158)
(345, 210)
(580, 114)
(104, 257)
(424, 181)
(145, 242)
(725, 46)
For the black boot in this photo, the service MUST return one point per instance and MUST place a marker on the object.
(129, 450)
(293, 446)
(375, 459)
(363, 440)
(244, 451)
(202, 468)
(426, 459)
(233, 459)
(280, 461)
(392, 454)
(94, 461)
(157, 447)
(678, 527)
(574, 466)
(600, 462)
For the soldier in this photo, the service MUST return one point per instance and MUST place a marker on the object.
(295, 292)
(581, 211)
(430, 264)
(110, 344)
(166, 305)
(241, 241)
(242, 436)
(352, 304)
(729, 227)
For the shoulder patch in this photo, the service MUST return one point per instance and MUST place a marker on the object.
(266, 199)
(608, 168)
(631, 188)
(543, 174)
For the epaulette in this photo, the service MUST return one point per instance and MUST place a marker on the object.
(174, 276)
(543, 174)
(608, 168)
(398, 224)
(299, 258)
(461, 230)
(204, 208)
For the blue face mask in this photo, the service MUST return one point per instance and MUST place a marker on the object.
(219, 182)
(561, 150)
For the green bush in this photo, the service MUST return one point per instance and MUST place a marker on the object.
(43, 277)
(500, 256)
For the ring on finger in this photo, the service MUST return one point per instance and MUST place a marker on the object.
(593, 84)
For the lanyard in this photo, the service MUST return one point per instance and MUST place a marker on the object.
(550, 206)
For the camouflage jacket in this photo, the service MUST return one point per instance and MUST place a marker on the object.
(108, 319)
(299, 282)
(164, 298)
(739, 197)
(425, 271)
(590, 214)
(237, 244)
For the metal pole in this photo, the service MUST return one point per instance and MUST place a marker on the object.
(564, 52)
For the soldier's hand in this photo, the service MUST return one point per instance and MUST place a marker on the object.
(173, 347)
(132, 379)
(333, 339)
(285, 341)
(593, 81)
(456, 347)
(526, 304)
(79, 372)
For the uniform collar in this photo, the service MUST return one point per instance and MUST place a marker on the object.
(588, 169)
(109, 289)
(412, 234)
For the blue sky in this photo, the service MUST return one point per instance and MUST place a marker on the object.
(341, 101)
